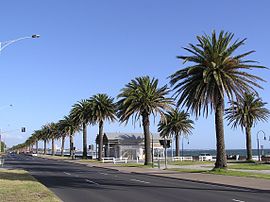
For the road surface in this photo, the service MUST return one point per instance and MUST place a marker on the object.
(73, 182)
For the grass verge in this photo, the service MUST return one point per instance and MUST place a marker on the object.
(89, 161)
(250, 166)
(238, 173)
(224, 172)
(18, 185)
(133, 165)
(187, 163)
(54, 157)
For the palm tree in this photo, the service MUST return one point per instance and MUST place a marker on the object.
(141, 97)
(176, 123)
(44, 131)
(70, 127)
(61, 133)
(214, 74)
(36, 137)
(246, 112)
(81, 113)
(52, 134)
(103, 108)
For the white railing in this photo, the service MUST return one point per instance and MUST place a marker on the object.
(2, 160)
(182, 158)
(108, 160)
(114, 160)
(120, 160)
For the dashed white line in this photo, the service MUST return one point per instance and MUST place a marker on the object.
(139, 181)
(67, 173)
(90, 181)
(237, 200)
(103, 173)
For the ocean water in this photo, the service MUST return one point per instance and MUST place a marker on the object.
(241, 152)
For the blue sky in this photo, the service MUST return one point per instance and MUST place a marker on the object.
(97, 46)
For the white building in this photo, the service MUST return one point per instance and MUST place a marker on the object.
(129, 145)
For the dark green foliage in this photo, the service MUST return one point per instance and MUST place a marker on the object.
(140, 98)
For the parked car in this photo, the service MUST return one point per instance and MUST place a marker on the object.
(205, 157)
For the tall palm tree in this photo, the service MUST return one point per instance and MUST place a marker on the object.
(214, 74)
(142, 97)
(176, 123)
(81, 113)
(103, 108)
(246, 112)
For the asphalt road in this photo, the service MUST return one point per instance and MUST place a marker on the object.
(73, 182)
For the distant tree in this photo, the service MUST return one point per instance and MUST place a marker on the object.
(44, 135)
(3, 146)
(103, 108)
(246, 112)
(176, 123)
(213, 74)
(70, 127)
(52, 134)
(142, 97)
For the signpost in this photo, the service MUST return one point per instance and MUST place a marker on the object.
(166, 144)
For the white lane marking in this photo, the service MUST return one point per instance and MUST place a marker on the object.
(103, 173)
(139, 181)
(90, 181)
(67, 173)
(237, 200)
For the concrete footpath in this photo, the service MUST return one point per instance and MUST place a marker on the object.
(245, 182)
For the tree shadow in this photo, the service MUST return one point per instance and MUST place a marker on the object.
(13, 175)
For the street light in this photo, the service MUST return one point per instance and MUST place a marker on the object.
(10, 105)
(4, 44)
(258, 143)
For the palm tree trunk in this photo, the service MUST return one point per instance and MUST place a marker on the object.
(63, 145)
(71, 143)
(146, 131)
(221, 161)
(45, 149)
(53, 152)
(248, 144)
(100, 145)
(177, 144)
(84, 141)
(37, 146)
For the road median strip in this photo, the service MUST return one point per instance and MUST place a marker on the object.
(20, 185)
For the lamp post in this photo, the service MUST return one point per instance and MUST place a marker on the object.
(10, 105)
(4, 44)
(258, 143)
(183, 147)
(152, 150)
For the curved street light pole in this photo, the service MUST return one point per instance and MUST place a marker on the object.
(1, 139)
(4, 44)
(258, 143)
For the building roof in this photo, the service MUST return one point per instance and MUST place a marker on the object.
(129, 136)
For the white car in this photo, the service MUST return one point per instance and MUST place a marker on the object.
(34, 154)
(205, 157)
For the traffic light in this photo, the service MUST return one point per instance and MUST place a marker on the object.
(23, 129)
